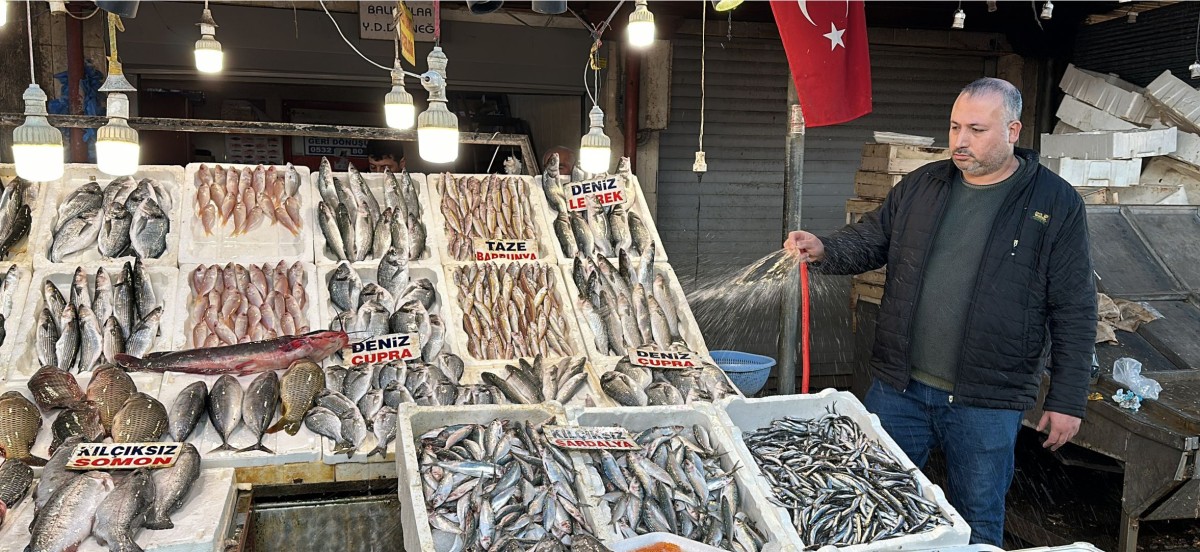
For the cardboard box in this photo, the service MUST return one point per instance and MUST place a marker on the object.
(1125, 144)
(1112, 173)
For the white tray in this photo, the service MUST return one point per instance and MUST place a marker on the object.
(765, 516)
(460, 334)
(636, 203)
(434, 243)
(15, 318)
(547, 248)
(22, 252)
(23, 357)
(77, 175)
(743, 415)
(641, 542)
(267, 242)
(183, 301)
(473, 374)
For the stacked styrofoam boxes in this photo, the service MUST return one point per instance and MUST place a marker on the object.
(375, 183)
(20, 294)
(1111, 173)
(23, 356)
(417, 420)
(268, 241)
(742, 415)
(75, 176)
(1177, 101)
(536, 202)
(1109, 94)
(22, 252)
(768, 519)
(1084, 117)
(635, 202)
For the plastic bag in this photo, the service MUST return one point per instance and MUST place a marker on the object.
(1129, 372)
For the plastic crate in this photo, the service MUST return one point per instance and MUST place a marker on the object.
(747, 371)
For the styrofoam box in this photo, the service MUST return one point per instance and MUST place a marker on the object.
(1113, 173)
(416, 420)
(590, 392)
(200, 524)
(574, 338)
(304, 446)
(1107, 92)
(1177, 98)
(688, 328)
(23, 359)
(1110, 144)
(547, 248)
(15, 316)
(1076, 547)
(268, 241)
(634, 203)
(769, 519)
(77, 175)
(1187, 148)
(744, 415)
(183, 303)
(649, 539)
(22, 252)
(1087, 118)
(375, 183)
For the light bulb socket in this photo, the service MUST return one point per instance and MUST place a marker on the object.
(960, 19)
(596, 118)
(991, 6)
(117, 130)
(117, 105)
(208, 43)
(206, 24)
(1131, 17)
(1048, 10)
(36, 131)
(641, 13)
(1195, 69)
(725, 5)
(437, 62)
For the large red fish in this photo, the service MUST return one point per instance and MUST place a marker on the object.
(243, 358)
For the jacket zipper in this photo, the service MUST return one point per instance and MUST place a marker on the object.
(921, 285)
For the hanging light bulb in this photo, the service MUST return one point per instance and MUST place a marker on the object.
(117, 148)
(1047, 10)
(1131, 17)
(398, 105)
(437, 127)
(595, 149)
(641, 26)
(960, 18)
(726, 5)
(37, 146)
(3, 12)
(991, 4)
(1195, 69)
(209, 57)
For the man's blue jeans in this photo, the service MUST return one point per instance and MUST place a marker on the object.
(978, 444)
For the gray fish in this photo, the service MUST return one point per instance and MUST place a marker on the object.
(666, 302)
(325, 182)
(82, 420)
(622, 389)
(118, 190)
(344, 287)
(584, 240)
(362, 194)
(66, 518)
(67, 346)
(357, 382)
(141, 419)
(364, 232)
(401, 234)
(55, 473)
(225, 408)
(619, 223)
(421, 290)
(324, 422)
(392, 272)
(91, 339)
(15, 480)
(124, 303)
(437, 336)
(171, 488)
(114, 230)
(46, 339)
(113, 342)
(417, 237)
(327, 220)
(383, 425)
(373, 318)
(370, 403)
(659, 326)
(122, 513)
(141, 339)
(337, 403)
(566, 236)
(186, 411)
(52, 297)
(76, 235)
(80, 294)
(143, 289)
(258, 408)
(149, 230)
(663, 394)
(354, 432)
(641, 238)
(377, 293)
(102, 300)
(84, 198)
(381, 236)
(8, 290)
(408, 189)
(345, 225)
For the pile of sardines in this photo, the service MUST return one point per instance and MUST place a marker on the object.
(239, 304)
(598, 229)
(355, 227)
(633, 385)
(513, 310)
(840, 486)
(248, 197)
(495, 208)
(393, 303)
(126, 217)
(627, 306)
(675, 484)
(8, 297)
(98, 320)
(16, 217)
(500, 486)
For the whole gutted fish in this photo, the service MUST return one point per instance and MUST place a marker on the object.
(67, 517)
(516, 310)
(258, 408)
(244, 358)
(19, 425)
(121, 514)
(225, 402)
(141, 419)
(53, 388)
(186, 411)
(494, 207)
(171, 487)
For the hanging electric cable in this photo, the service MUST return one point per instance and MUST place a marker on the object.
(700, 166)
(37, 146)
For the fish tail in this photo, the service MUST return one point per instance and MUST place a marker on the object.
(159, 524)
(347, 448)
(257, 446)
(224, 446)
(381, 450)
(290, 426)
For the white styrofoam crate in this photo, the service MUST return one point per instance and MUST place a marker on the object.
(1063, 128)
(1187, 148)
(1176, 99)
(22, 252)
(13, 322)
(1107, 92)
(688, 328)
(417, 420)
(1110, 144)
(741, 415)
(1075, 547)
(543, 235)
(200, 524)
(634, 203)
(268, 241)
(1151, 195)
(23, 357)
(1087, 118)
(76, 175)
(366, 272)
(375, 183)
(304, 446)
(183, 301)
(769, 519)
(574, 338)
(1168, 171)
(473, 374)
(1112, 173)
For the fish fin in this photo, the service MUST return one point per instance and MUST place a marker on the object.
(34, 461)
(257, 446)
(129, 363)
(282, 424)
(224, 446)
(381, 450)
(159, 524)
(347, 448)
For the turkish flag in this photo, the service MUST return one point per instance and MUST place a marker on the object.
(826, 45)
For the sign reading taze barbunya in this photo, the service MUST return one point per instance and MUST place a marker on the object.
(654, 358)
(384, 348)
(123, 456)
(612, 438)
(608, 191)
(506, 250)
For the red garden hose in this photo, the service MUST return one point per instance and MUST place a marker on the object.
(804, 328)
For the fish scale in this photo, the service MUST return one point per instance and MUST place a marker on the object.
(141, 419)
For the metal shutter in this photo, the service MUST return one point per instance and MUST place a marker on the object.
(1161, 39)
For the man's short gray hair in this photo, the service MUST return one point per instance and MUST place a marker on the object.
(1002, 88)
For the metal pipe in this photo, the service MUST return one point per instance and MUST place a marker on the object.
(633, 91)
(79, 152)
(789, 310)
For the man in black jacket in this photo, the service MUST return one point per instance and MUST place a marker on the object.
(987, 265)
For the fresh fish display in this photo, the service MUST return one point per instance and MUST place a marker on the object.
(633, 385)
(53, 388)
(499, 485)
(8, 295)
(298, 389)
(16, 216)
(20, 422)
(109, 389)
(258, 408)
(125, 218)
(356, 229)
(675, 484)
(243, 358)
(628, 306)
(15, 480)
(81, 420)
(237, 304)
(225, 408)
(141, 419)
(122, 513)
(171, 488)
(67, 516)
(187, 410)
(535, 382)
(71, 335)
(495, 207)
(513, 310)
(247, 197)
(596, 230)
(840, 487)
(391, 304)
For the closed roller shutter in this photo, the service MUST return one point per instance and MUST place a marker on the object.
(1161, 39)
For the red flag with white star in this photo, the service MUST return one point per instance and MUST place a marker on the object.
(826, 45)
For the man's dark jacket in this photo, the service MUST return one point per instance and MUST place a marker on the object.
(1034, 286)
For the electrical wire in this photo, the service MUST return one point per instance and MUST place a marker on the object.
(1198, 38)
(703, 51)
(84, 18)
(29, 26)
(347, 41)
